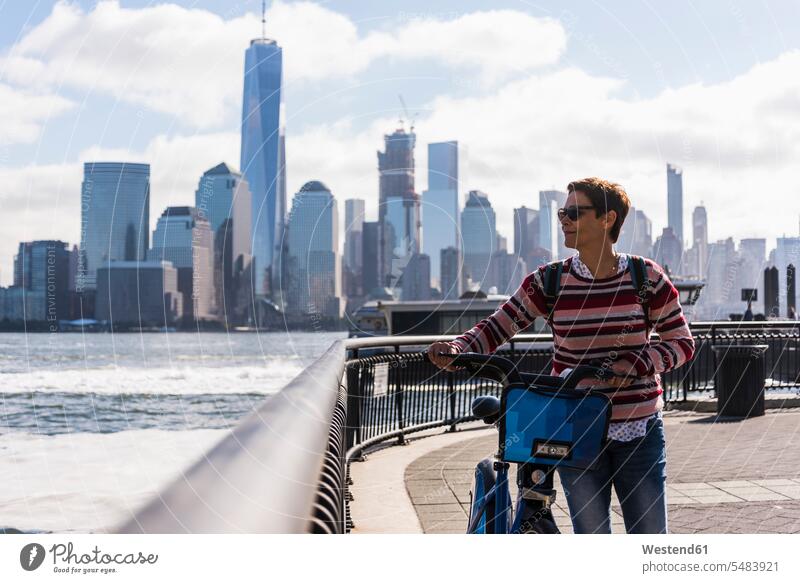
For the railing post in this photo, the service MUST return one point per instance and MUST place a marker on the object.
(451, 390)
(714, 357)
(398, 397)
(685, 380)
(354, 393)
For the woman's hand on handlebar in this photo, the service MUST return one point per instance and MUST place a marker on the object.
(442, 361)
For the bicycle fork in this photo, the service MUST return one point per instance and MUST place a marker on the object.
(536, 496)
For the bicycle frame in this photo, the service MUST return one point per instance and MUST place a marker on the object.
(490, 499)
(491, 510)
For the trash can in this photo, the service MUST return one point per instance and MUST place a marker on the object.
(739, 379)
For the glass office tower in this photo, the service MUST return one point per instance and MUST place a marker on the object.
(479, 225)
(675, 201)
(314, 284)
(440, 205)
(184, 238)
(263, 156)
(223, 198)
(115, 217)
(550, 236)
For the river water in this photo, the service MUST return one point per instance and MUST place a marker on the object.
(91, 426)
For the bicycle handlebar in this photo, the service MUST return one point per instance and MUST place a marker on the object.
(501, 369)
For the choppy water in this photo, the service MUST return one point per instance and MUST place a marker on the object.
(101, 383)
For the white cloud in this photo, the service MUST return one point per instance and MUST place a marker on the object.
(737, 142)
(23, 113)
(497, 43)
(39, 201)
(189, 62)
(176, 61)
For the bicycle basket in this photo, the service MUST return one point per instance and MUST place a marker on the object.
(563, 427)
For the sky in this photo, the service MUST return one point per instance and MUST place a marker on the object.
(536, 93)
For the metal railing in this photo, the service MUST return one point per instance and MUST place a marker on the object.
(285, 468)
(782, 359)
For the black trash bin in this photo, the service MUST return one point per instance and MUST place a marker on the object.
(739, 379)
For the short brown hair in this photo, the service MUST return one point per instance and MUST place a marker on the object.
(605, 196)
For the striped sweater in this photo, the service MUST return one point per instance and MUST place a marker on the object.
(597, 321)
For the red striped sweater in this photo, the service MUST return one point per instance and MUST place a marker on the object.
(596, 321)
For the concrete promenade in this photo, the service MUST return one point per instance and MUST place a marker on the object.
(723, 476)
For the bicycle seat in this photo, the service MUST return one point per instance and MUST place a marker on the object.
(486, 408)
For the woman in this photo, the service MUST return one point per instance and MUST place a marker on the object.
(599, 318)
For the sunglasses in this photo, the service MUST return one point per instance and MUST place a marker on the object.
(572, 212)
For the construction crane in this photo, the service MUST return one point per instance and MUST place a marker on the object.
(408, 116)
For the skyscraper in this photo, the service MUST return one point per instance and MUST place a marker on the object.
(399, 205)
(115, 217)
(787, 251)
(753, 253)
(527, 240)
(721, 294)
(550, 237)
(478, 222)
(526, 231)
(41, 272)
(771, 292)
(263, 156)
(440, 216)
(451, 276)
(223, 199)
(636, 235)
(416, 280)
(502, 242)
(371, 282)
(675, 201)
(667, 251)
(353, 253)
(700, 238)
(312, 253)
(507, 272)
(138, 293)
(184, 238)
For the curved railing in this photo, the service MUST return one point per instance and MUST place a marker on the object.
(285, 468)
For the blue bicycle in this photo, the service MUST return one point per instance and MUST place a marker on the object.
(544, 421)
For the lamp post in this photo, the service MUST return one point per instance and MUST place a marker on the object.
(749, 295)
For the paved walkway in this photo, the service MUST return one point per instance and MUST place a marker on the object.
(724, 476)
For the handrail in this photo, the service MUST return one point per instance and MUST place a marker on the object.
(263, 477)
(381, 341)
(745, 325)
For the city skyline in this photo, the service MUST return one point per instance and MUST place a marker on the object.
(178, 105)
(188, 262)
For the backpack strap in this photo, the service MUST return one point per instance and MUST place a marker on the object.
(552, 286)
(640, 282)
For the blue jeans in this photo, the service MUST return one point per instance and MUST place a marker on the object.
(638, 470)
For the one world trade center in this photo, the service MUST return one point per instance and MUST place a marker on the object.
(263, 156)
